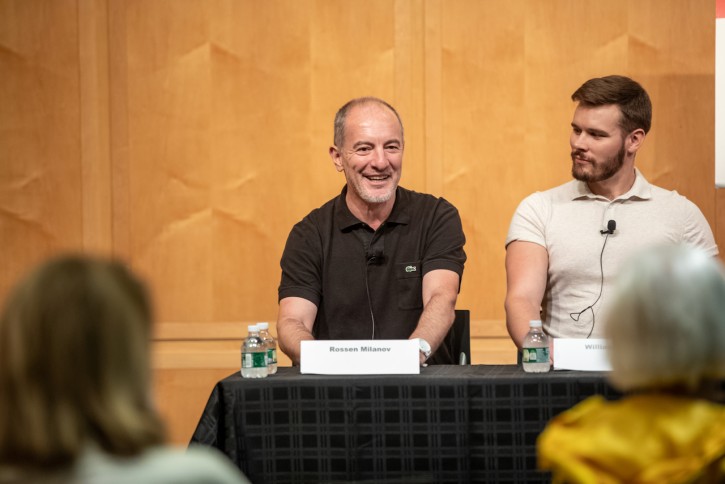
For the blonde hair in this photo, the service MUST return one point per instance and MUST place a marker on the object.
(666, 326)
(74, 365)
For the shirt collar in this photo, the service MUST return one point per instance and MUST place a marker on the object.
(641, 189)
(345, 220)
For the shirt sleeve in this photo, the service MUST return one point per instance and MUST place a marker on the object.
(301, 263)
(528, 222)
(444, 245)
(696, 230)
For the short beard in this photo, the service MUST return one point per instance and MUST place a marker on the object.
(379, 199)
(600, 172)
(357, 186)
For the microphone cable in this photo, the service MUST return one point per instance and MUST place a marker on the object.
(375, 257)
(370, 302)
(611, 227)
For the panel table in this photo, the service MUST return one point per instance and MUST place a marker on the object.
(448, 424)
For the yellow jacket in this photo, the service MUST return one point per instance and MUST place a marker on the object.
(646, 438)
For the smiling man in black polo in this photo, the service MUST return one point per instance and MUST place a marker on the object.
(378, 261)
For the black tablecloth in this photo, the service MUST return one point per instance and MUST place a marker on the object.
(448, 424)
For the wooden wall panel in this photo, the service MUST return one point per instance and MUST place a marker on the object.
(481, 134)
(678, 69)
(181, 396)
(40, 171)
(95, 118)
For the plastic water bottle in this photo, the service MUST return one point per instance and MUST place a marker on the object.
(254, 355)
(535, 355)
(271, 344)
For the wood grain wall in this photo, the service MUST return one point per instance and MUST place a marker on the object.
(188, 136)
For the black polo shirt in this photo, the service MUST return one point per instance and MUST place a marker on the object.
(348, 270)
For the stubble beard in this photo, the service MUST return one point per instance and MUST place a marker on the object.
(370, 198)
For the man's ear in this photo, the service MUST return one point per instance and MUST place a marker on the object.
(336, 157)
(635, 139)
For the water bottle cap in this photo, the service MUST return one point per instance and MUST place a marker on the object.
(263, 325)
(535, 323)
(252, 328)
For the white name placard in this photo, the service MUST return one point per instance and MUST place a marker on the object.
(360, 357)
(581, 354)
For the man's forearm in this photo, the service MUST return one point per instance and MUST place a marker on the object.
(436, 320)
(290, 333)
(518, 315)
(440, 291)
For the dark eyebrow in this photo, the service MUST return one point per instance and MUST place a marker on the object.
(595, 132)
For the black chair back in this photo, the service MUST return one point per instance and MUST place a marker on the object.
(458, 339)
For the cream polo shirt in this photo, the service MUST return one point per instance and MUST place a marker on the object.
(567, 220)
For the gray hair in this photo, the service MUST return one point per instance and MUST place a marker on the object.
(340, 117)
(666, 326)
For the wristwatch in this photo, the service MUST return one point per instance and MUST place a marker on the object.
(424, 347)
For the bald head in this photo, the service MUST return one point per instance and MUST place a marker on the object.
(341, 116)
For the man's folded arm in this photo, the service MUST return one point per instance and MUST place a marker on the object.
(526, 272)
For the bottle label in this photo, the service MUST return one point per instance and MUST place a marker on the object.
(535, 355)
(272, 356)
(254, 360)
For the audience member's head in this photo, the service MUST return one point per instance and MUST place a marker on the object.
(74, 365)
(666, 326)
